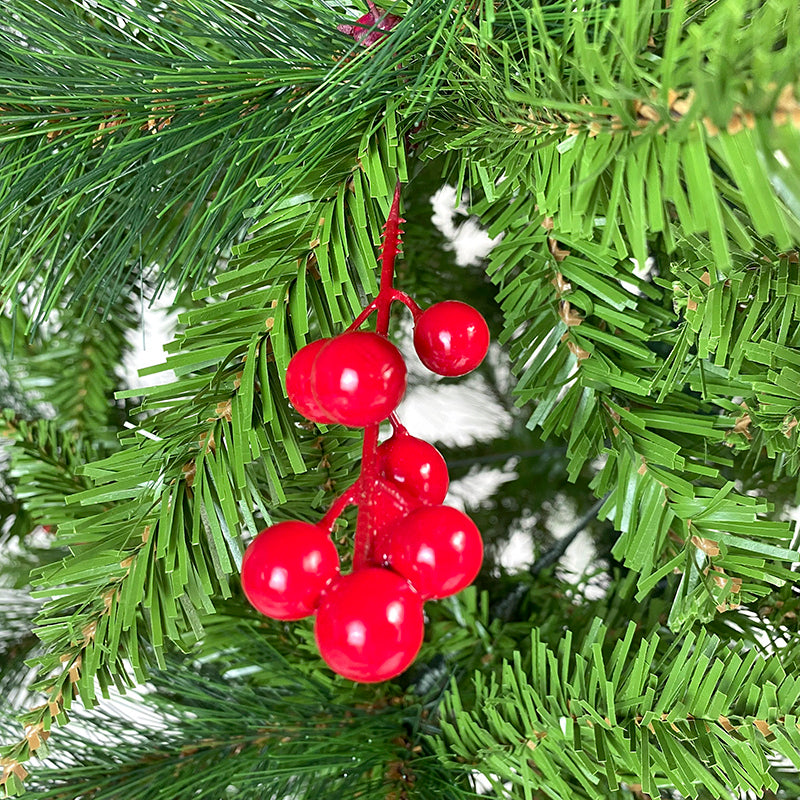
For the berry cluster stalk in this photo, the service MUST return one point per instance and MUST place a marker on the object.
(369, 480)
(370, 489)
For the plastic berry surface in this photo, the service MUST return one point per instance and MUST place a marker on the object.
(390, 504)
(286, 567)
(438, 548)
(451, 338)
(369, 625)
(298, 383)
(359, 378)
(414, 465)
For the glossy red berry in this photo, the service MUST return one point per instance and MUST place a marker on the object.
(369, 625)
(438, 548)
(414, 465)
(286, 567)
(298, 383)
(358, 378)
(451, 338)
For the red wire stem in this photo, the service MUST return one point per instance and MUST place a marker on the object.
(337, 507)
(362, 317)
(407, 301)
(396, 295)
(365, 528)
(397, 426)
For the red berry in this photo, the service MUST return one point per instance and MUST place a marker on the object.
(418, 467)
(358, 378)
(369, 625)
(298, 383)
(451, 338)
(438, 548)
(286, 567)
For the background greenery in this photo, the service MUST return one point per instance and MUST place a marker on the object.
(243, 155)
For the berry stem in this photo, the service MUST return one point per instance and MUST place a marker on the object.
(391, 245)
(362, 317)
(396, 295)
(397, 426)
(337, 507)
(365, 533)
(407, 301)
(362, 550)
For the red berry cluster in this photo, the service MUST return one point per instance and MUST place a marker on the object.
(409, 547)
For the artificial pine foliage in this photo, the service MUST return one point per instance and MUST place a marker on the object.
(639, 162)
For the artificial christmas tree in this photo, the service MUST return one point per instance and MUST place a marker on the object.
(369, 624)
(637, 164)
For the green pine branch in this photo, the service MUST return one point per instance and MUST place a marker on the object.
(621, 131)
(592, 360)
(182, 112)
(250, 720)
(17, 644)
(579, 719)
(44, 468)
(622, 105)
(151, 563)
(637, 155)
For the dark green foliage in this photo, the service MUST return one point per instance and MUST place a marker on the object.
(244, 154)
(17, 642)
(295, 735)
